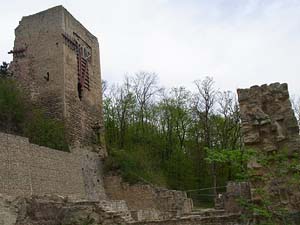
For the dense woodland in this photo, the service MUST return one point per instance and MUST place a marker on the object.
(168, 136)
(174, 137)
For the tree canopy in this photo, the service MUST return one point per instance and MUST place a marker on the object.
(168, 136)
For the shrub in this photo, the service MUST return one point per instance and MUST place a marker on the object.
(19, 117)
(134, 165)
(179, 171)
(12, 107)
(46, 132)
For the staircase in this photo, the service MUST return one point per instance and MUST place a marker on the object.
(116, 208)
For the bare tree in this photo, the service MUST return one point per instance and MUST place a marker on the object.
(174, 118)
(104, 85)
(204, 104)
(182, 98)
(229, 110)
(296, 107)
(126, 103)
(229, 134)
(145, 87)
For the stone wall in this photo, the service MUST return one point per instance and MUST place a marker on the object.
(84, 116)
(268, 121)
(235, 191)
(48, 48)
(36, 54)
(218, 220)
(27, 169)
(146, 201)
(270, 126)
(55, 210)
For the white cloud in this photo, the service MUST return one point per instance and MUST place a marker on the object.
(238, 42)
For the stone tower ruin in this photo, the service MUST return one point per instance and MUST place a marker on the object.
(270, 127)
(57, 61)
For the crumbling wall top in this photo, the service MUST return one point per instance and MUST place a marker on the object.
(268, 120)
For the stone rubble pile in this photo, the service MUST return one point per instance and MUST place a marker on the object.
(57, 210)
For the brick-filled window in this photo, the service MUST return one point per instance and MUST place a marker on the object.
(83, 71)
(84, 55)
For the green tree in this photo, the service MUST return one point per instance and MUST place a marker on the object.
(204, 104)
(180, 171)
(163, 135)
(12, 107)
(4, 70)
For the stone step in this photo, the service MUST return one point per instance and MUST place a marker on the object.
(116, 208)
(207, 212)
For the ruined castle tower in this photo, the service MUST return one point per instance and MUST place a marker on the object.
(57, 60)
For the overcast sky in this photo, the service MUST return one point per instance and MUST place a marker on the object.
(238, 42)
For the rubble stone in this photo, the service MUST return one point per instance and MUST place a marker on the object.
(146, 200)
(54, 210)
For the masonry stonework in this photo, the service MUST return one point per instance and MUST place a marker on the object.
(27, 169)
(56, 59)
(146, 201)
(270, 126)
(56, 210)
(268, 120)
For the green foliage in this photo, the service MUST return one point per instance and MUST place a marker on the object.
(134, 166)
(12, 107)
(280, 164)
(180, 171)
(281, 173)
(19, 117)
(264, 212)
(162, 136)
(44, 131)
(237, 158)
(89, 220)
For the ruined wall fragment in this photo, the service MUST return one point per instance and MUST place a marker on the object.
(270, 127)
(146, 199)
(235, 191)
(268, 121)
(56, 210)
